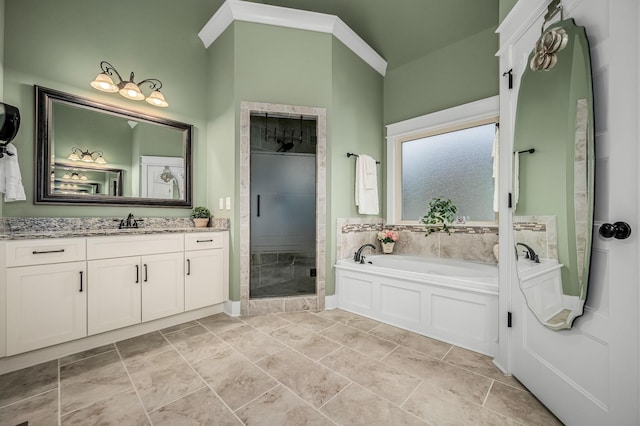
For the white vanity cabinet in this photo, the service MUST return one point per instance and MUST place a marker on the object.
(46, 293)
(206, 269)
(134, 279)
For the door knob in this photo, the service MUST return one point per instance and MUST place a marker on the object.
(619, 230)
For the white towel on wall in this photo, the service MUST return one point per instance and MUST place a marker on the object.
(10, 177)
(366, 190)
(496, 170)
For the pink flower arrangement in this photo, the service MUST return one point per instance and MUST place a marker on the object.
(388, 236)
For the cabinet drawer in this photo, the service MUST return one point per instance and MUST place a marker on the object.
(41, 252)
(203, 240)
(134, 245)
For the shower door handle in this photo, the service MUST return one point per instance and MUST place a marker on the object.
(258, 207)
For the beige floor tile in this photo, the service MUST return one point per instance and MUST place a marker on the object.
(178, 327)
(220, 323)
(357, 406)
(479, 363)
(121, 409)
(439, 373)
(250, 342)
(202, 407)
(281, 407)
(308, 320)
(519, 405)
(266, 323)
(28, 382)
(311, 381)
(358, 340)
(39, 410)
(426, 345)
(196, 343)
(87, 354)
(440, 407)
(234, 378)
(91, 380)
(382, 379)
(144, 346)
(350, 319)
(309, 343)
(163, 378)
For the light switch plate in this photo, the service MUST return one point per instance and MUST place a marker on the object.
(228, 203)
(220, 203)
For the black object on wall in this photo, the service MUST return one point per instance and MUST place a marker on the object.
(9, 125)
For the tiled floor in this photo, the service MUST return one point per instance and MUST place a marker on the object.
(304, 368)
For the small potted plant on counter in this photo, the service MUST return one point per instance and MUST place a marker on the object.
(200, 216)
(440, 214)
(388, 240)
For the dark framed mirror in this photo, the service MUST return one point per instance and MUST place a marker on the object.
(91, 153)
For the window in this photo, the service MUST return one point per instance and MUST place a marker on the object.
(447, 154)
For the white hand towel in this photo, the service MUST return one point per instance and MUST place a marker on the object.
(10, 177)
(366, 188)
(496, 170)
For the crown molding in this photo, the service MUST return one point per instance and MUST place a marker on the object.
(237, 10)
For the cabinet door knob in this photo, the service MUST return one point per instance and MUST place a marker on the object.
(619, 230)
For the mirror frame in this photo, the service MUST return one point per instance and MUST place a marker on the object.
(44, 105)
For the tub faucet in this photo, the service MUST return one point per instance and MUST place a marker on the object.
(530, 254)
(358, 257)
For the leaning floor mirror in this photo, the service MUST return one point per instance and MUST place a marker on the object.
(554, 175)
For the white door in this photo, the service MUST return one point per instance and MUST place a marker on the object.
(46, 304)
(113, 293)
(589, 375)
(162, 285)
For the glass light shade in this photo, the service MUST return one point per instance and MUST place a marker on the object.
(100, 160)
(75, 176)
(132, 91)
(73, 157)
(83, 177)
(104, 83)
(157, 99)
(66, 175)
(87, 158)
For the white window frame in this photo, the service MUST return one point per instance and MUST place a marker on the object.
(455, 118)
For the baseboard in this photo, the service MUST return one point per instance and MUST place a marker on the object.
(331, 302)
(232, 308)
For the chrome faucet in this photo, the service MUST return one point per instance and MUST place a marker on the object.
(358, 257)
(530, 254)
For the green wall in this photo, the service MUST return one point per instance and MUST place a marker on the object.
(261, 63)
(458, 73)
(505, 7)
(59, 44)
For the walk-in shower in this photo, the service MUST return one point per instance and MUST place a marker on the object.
(283, 206)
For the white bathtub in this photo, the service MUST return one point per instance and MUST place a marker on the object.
(450, 300)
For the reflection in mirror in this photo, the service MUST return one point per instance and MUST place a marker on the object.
(553, 186)
(92, 153)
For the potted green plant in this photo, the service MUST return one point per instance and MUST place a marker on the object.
(440, 214)
(200, 216)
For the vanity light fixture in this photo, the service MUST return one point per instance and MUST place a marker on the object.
(79, 155)
(129, 89)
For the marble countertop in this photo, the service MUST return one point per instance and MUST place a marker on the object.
(22, 235)
(23, 228)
